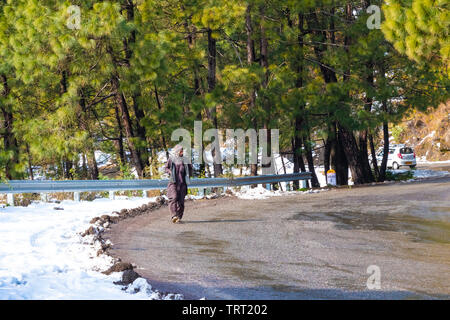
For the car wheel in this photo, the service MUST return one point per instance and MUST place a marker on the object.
(395, 166)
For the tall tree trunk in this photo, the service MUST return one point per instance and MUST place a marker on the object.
(10, 144)
(326, 156)
(363, 135)
(68, 165)
(338, 159)
(297, 143)
(140, 137)
(334, 157)
(119, 145)
(30, 162)
(191, 37)
(337, 156)
(266, 104)
(374, 158)
(364, 154)
(357, 157)
(9, 138)
(309, 158)
(197, 87)
(359, 173)
(126, 121)
(218, 171)
(141, 134)
(124, 112)
(368, 107)
(386, 145)
(249, 31)
(384, 108)
(158, 102)
(85, 126)
(211, 63)
(92, 165)
(84, 168)
(250, 61)
(128, 7)
(385, 152)
(300, 113)
(298, 119)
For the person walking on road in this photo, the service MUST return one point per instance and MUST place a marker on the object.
(180, 173)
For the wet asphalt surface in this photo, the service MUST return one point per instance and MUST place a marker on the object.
(308, 246)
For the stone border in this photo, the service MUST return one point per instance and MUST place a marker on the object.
(97, 229)
(100, 224)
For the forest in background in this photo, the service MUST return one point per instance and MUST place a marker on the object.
(135, 70)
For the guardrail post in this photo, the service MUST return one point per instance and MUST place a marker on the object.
(288, 186)
(10, 199)
(76, 196)
(112, 196)
(44, 197)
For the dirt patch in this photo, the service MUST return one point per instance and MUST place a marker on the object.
(428, 132)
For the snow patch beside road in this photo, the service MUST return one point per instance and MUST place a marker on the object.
(43, 256)
(420, 174)
(423, 160)
(262, 193)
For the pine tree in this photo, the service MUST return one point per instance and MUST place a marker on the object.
(136, 70)
(420, 29)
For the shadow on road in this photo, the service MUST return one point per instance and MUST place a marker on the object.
(281, 292)
(315, 246)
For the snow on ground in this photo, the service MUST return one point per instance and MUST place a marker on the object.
(423, 160)
(42, 255)
(420, 174)
(102, 158)
(430, 173)
(262, 193)
(430, 135)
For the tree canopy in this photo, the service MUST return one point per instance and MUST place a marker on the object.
(135, 70)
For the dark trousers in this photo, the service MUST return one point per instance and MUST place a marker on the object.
(176, 194)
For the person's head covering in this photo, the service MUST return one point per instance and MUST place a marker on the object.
(176, 154)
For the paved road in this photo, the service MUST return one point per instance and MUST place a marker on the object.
(313, 246)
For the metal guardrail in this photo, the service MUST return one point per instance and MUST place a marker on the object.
(47, 186)
(39, 186)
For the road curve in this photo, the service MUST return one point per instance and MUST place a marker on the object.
(307, 246)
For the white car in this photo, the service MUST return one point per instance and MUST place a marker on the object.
(399, 155)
